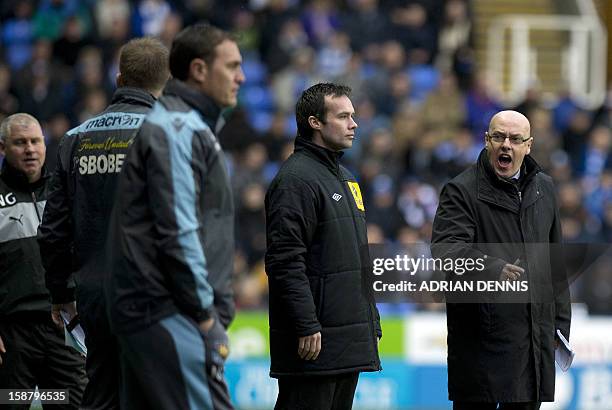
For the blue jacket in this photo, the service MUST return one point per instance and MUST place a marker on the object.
(171, 238)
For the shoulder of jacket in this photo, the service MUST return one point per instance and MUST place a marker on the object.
(466, 179)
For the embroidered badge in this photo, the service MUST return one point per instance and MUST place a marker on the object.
(354, 187)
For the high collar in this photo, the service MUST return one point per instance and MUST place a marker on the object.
(211, 112)
(529, 169)
(18, 180)
(326, 156)
(134, 96)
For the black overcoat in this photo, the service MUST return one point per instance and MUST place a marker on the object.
(317, 263)
(504, 352)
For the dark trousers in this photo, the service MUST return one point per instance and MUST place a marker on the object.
(36, 356)
(102, 365)
(317, 392)
(493, 406)
(165, 367)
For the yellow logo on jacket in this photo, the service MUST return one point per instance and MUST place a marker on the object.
(354, 187)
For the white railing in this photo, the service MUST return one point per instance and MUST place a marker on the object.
(583, 59)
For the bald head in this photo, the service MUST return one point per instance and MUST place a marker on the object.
(508, 141)
(515, 118)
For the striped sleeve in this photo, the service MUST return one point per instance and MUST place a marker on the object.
(174, 197)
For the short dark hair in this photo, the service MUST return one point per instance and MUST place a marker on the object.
(312, 102)
(196, 41)
(143, 63)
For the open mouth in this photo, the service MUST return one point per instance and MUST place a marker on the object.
(504, 160)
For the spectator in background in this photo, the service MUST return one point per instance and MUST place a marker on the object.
(39, 85)
(443, 109)
(320, 19)
(148, 17)
(74, 227)
(18, 36)
(8, 101)
(51, 15)
(55, 129)
(454, 33)
(334, 55)
(67, 47)
(410, 26)
(548, 143)
(366, 25)
(480, 106)
(574, 136)
(32, 349)
(109, 14)
(287, 84)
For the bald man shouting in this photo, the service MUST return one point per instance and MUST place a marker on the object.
(502, 210)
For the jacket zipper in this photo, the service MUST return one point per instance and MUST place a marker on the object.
(35, 206)
(370, 317)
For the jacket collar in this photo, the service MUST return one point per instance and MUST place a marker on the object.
(529, 169)
(134, 96)
(18, 180)
(503, 191)
(325, 156)
(211, 112)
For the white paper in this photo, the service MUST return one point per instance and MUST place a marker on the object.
(564, 355)
(74, 338)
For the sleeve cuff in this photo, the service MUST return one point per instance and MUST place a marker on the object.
(60, 296)
(205, 314)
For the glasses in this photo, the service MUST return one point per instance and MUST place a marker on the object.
(514, 140)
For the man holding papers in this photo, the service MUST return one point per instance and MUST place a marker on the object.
(503, 209)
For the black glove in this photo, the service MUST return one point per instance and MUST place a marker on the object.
(216, 343)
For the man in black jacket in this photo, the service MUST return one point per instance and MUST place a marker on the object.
(32, 350)
(171, 238)
(503, 210)
(324, 324)
(81, 197)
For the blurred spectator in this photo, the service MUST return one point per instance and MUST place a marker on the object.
(109, 15)
(547, 142)
(54, 130)
(246, 30)
(288, 84)
(320, 19)
(149, 16)
(281, 34)
(480, 105)
(596, 155)
(250, 222)
(67, 48)
(17, 35)
(443, 110)
(276, 137)
(39, 85)
(453, 156)
(334, 56)
(51, 15)
(8, 102)
(382, 209)
(411, 28)
(454, 33)
(366, 25)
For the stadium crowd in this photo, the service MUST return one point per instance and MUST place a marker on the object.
(422, 104)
